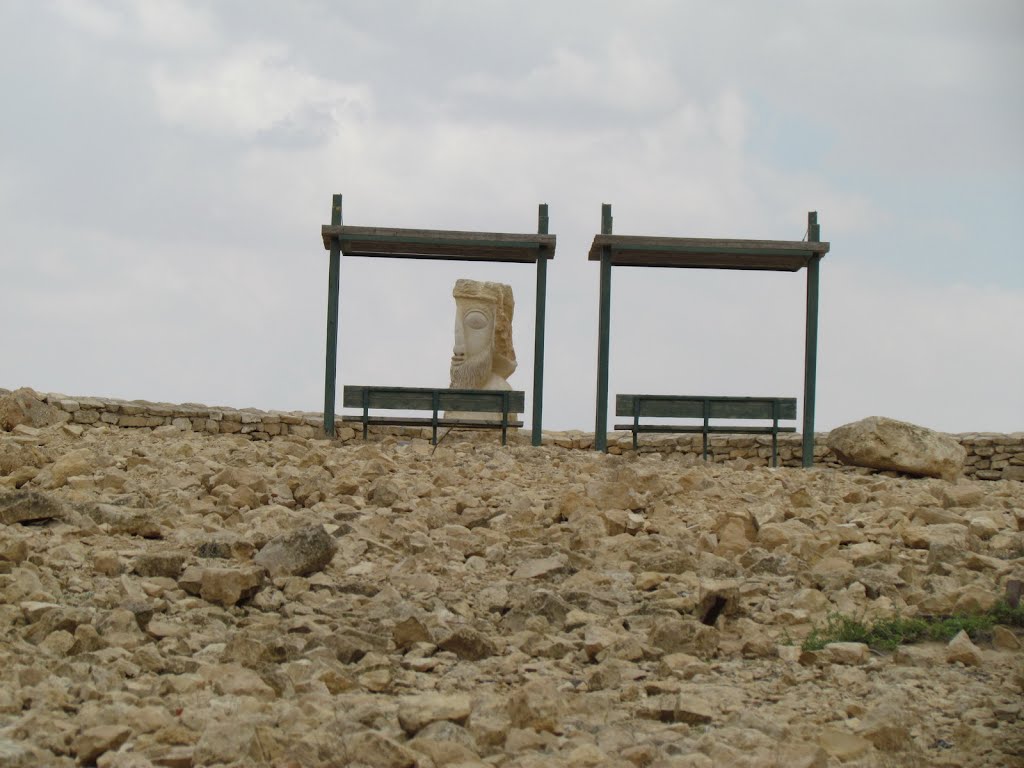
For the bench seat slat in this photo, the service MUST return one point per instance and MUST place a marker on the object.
(422, 399)
(697, 430)
(692, 406)
(418, 421)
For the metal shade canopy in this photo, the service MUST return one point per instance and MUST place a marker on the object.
(702, 253)
(707, 253)
(439, 244)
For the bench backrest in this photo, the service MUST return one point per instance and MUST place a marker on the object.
(698, 407)
(426, 399)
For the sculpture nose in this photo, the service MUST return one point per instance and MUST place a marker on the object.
(459, 350)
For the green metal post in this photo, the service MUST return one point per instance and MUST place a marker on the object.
(538, 333)
(333, 278)
(603, 335)
(811, 341)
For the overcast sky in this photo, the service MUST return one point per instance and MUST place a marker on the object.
(165, 168)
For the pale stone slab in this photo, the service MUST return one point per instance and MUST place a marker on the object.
(417, 712)
(883, 443)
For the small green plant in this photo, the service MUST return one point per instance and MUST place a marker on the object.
(888, 634)
(1009, 616)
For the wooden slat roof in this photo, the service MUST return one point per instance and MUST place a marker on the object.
(439, 244)
(706, 253)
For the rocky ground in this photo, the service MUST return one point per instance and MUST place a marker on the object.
(175, 599)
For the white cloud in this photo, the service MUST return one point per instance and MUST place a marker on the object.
(174, 24)
(940, 355)
(619, 77)
(161, 23)
(254, 90)
(94, 17)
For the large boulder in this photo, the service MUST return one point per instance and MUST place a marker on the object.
(881, 443)
(26, 406)
(297, 553)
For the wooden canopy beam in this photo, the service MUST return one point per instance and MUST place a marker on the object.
(439, 244)
(704, 253)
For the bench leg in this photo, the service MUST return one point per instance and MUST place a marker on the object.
(504, 417)
(705, 434)
(775, 449)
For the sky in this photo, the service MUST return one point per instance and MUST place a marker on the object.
(166, 166)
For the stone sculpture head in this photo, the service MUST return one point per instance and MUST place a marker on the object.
(483, 356)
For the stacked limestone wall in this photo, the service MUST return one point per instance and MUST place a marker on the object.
(134, 414)
(990, 456)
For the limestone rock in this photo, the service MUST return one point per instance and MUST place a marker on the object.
(417, 712)
(14, 754)
(961, 649)
(229, 586)
(684, 636)
(846, 653)
(236, 680)
(95, 741)
(29, 507)
(1004, 639)
(540, 568)
(122, 519)
(467, 643)
(443, 752)
(374, 750)
(298, 553)
(843, 745)
(164, 564)
(882, 443)
(79, 463)
(228, 742)
(693, 710)
(537, 705)
(408, 632)
(886, 727)
(26, 406)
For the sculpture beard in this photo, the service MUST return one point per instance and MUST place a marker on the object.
(472, 372)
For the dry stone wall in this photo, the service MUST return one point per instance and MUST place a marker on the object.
(990, 456)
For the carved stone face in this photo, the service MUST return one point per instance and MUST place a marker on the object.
(473, 353)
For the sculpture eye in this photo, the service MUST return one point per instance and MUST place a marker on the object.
(476, 320)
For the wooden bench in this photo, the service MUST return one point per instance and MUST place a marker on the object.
(503, 402)
(707, 408)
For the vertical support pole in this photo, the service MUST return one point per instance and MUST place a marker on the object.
(504, 416)
(775, 433)
(811, 341)
(538, 332)
(435, 402)
(603, 335)
(706, 407)
(331, 366)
